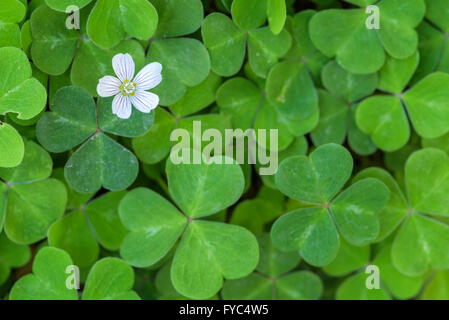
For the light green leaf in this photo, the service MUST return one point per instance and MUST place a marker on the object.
(103, 216)
(112, 20)
(438, 287)
(273, 262)
(396, 74)
(155, 144)
(265, 49)
(209, 252)
(311, 231)
(291, 90)
(11, 146)
(428, 105)
(349, 86)
(110, 279)
(349, 258)
(355, 210)
(354, 288)
(240, 99)
(12, 255)
(48, 280)
(302, 285)
(421, 243)
(427, 173)
(249, 14)
(223, 38)
(198, 97)
(318, 178)
(154, 225)
(396, 208)
(62, 5)
(385, 120)
(204, 189)
(277, 14)
(178, 17)
(19, 92)
(72, 234)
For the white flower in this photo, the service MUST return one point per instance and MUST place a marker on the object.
(129, 90)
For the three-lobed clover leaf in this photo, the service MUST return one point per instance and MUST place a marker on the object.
(109, 279)
(384, 117)
(335, 32)
(30, 201)
(317, 180)
(20, 94)
(338, 107)
(208, 251)
(100, 161)
(222, 37)
(421, 241)
(274, 278)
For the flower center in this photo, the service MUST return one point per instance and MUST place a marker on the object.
(127, 88)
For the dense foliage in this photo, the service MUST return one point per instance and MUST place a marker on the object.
(363, 144)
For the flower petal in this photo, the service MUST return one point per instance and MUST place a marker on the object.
(123, 65)
(121, 106)
(108, 86)
(149, 77)
(145, 101)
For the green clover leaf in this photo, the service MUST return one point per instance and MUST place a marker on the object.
(178, 17)
(155, 222)
(62, 5)
(392, 282)
(12, 255)
(335, 32)
(276, 14)
(222, 37)
(290, 84)
(339, 106)
(384, 117)
(12, 12)
(31, 201)
(274, 279)
(186, 64)
(317, 180)
(114, 166)
(54, 47)
(432, 40)
(112, 20)
(79, 231)
(437, 289)
(49, 279)
(20, 94)
(420, 241)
